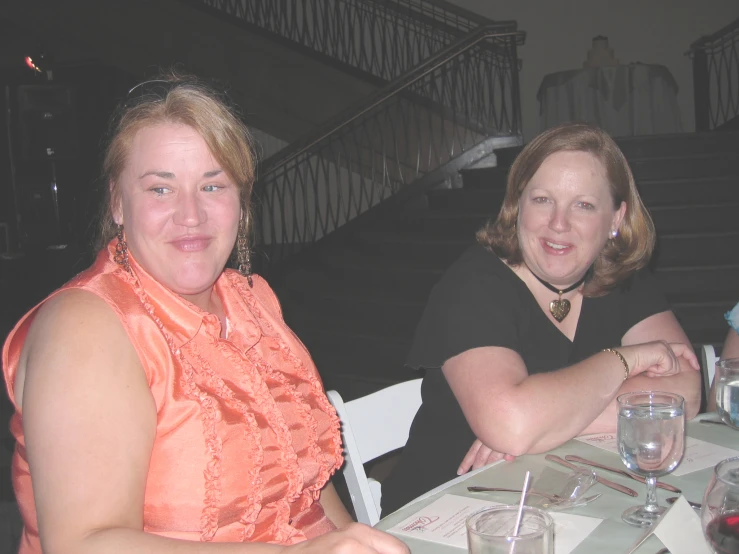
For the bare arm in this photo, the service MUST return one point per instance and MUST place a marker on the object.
(687, 383)
(729, 350)
(334, 507)
(516, 413)
(520, 414)
(90, 421)
(731, 346)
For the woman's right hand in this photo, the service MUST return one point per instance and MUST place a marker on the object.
(355, 538)
(658, 358)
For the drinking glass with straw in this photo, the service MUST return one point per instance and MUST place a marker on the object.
(513, 529)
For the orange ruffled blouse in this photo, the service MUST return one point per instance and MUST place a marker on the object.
(246, 437)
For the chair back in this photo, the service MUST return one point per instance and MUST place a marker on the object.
(372, 426)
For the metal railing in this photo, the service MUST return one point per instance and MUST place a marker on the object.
(370, 153)
(716, 77)
(382, 38)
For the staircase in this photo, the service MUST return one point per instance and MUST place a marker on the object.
(394, 97)
(356, 300)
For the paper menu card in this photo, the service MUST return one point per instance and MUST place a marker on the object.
(698, 454)
(443, 521)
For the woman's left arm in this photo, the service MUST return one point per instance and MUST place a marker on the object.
(333, 507)
(665, 327)
(658, 327)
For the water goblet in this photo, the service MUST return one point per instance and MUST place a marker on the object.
(651, 442)
(720, 508)
(727, 391)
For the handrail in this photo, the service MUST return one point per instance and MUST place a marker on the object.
(716, 78)
(455, 9)
(466, 18)
(411, 134)
(344, 119)
(721, 34)
(380, 39)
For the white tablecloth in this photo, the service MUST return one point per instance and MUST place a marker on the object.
(625, 100)
(612, 536)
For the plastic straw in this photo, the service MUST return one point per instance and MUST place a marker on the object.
(516, 528)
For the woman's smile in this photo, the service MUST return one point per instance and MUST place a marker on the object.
(557, 248)
(191, 243)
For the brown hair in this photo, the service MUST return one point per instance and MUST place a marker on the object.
(621, 256)
(176, 98)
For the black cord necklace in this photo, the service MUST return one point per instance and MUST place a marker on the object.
(559, 307)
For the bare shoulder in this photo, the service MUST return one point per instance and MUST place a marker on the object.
(73, 317)
(70, 307)
(74, 332)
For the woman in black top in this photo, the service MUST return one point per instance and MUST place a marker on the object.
(530, 336)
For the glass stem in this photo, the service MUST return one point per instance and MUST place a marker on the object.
(651, 504)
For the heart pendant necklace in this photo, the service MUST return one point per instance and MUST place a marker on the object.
(559, 307)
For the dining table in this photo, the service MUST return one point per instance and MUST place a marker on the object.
(611, 536)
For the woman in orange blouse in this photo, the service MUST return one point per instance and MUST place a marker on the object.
(162, 405)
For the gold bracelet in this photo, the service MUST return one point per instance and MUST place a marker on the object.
(623, 361)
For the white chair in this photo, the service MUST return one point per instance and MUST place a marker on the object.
(708, 366)
(372, 426)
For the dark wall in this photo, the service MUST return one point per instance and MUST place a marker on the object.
(68, 116)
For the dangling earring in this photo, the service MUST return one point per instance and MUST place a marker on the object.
(121, 250)
(243, 253)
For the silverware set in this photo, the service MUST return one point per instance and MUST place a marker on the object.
(624, 472)
(568, 462)
(602, 480)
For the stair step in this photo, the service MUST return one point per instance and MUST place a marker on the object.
(357, 315)
(681, 144)
(667, 218)
(716, 278)
(697, 217)
(357, 365)
(712, 164)
(657, 146)
(390, 282)
(697, 248)
(474, 199)
(401, 251)
(703, 297)
(653, 192)
(703, 317)
(433, 252)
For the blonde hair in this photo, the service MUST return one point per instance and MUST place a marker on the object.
(176, 98)
(629, 251)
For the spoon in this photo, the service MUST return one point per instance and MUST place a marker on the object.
(694, 505)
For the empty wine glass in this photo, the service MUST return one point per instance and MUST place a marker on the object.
(720, 509)
(651, 442)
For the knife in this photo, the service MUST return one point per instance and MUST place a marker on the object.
(601, 480)
(623, 472)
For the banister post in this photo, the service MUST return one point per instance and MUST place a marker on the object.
(701, 90)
